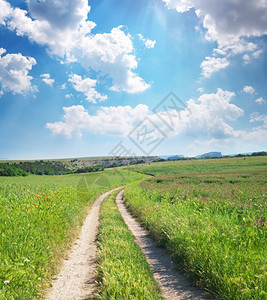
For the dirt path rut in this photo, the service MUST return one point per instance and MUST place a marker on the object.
(76, 279)
(173, 284)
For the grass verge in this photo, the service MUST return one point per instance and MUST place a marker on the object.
(123, 270)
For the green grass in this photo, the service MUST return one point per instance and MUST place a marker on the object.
(204, 166)
(214, 225)
(39, 216)
(123, 271)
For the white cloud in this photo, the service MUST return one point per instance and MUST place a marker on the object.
(110, 53)
(257, 53)
(208, 117)
(68, 96)
(260, 100)
(244, 141)
(87, 87)
(148, 43)
(236, 47)
(46, 79)
(5, 11)
(256, 117)
(60, 14)
(107, 121)
(246, 58)
(14, 70)
(180, 5)
(63, 27)
(248, 89)
(228, 20)
(200, 90)
(213, 64)
(63, 86)
(229, 23)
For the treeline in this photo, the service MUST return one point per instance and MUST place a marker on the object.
(90, 169)
(11, 170)
(42, 168)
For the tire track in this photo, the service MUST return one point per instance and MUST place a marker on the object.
(76, 279)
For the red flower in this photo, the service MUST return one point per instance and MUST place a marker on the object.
(37, 196)
(9, 207)
(34, 204)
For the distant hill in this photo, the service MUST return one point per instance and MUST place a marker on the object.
(210, 154)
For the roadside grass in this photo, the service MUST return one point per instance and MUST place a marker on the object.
(38, 221)
(123, 271)
(213, 226)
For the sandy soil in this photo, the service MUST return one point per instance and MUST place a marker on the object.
(76, 279)
(174, 285)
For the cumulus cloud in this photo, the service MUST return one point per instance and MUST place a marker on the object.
(60, 14)
(260, 100)
(107, 121)
(229, 23)
(254, 140)
(87, 87)
(148, 43)
(14, 72)
(110, 53)
(256, 117)
(68, 96)
(208, 117)
(228, 20)
(236, 47)
(180, 5)
(46, 79)
(63, 27)
(213, 64)
(248, 89)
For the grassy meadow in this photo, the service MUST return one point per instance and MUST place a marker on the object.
(212, 222)
(194, 166)
(123, 270)
(39, 216)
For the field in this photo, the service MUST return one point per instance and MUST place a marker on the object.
(210, 215)
(212, 222)
(39, 216)
(204, 166)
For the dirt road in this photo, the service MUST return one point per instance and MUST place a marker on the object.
(76, 279)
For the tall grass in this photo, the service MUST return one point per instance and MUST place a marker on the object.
(214, 227)
(123, 270)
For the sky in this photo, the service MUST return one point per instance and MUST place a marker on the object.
(132, 77)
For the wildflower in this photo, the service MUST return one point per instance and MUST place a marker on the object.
(9, 206)
(34, 204)
(37, 196)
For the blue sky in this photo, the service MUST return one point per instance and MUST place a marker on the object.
(83, 78)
